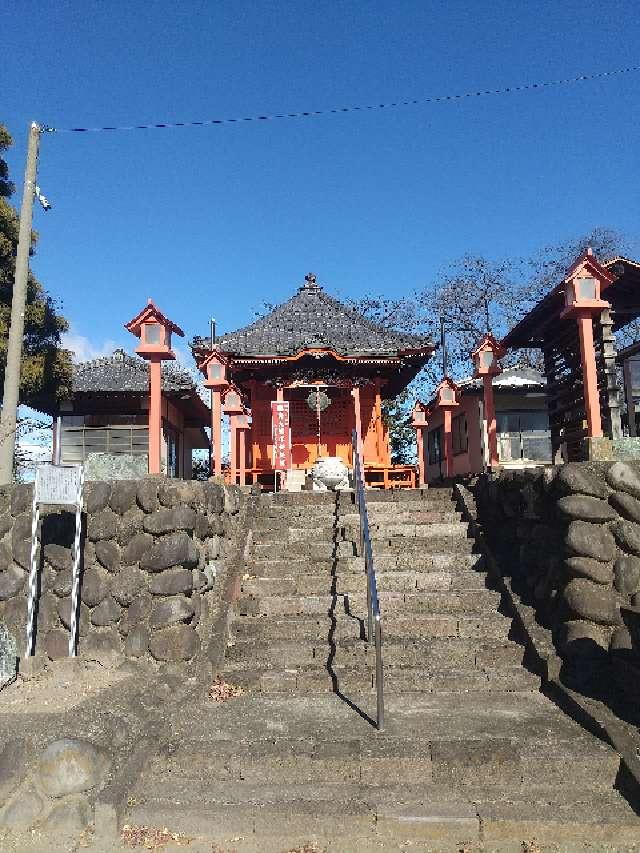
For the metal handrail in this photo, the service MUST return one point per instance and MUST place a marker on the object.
(374, 622)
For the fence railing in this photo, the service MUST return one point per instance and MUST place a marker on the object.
(374, 622)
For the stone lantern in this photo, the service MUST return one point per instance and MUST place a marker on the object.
(419, 419)
(154, 331)
(214, 369)
(447, 400)
(583, 287)
(486, 364)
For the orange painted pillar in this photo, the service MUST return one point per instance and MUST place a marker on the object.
(420, 447)
(242, 453)
(355, 393)
(283, 474)
(589, 375)
(448, 443)
(233, 461)
(490, 415)
(216, 435)
(155, 415)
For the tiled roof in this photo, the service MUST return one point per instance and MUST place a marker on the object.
(511, 378)
(125, 373)
(312, 318)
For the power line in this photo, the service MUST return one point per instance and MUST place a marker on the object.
(437, 99)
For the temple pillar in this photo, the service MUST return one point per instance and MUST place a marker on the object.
(589, 374)
(242, 454)
(155, 415)
(355, 393)
(379, 428)
(233, 460)
(216, 435)
(490, 416)
(420, 452)
(448, 443)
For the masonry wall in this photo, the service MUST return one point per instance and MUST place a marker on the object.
(569, 538)
(155, 561)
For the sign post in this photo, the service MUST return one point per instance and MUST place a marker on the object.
(60, 485)
(281, 435)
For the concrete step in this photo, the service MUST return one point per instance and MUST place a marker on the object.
(395, 626)
(456, 653)
(411, 546)
(507, 765)
(352, 680)
(351, 532)
(389, 562)
(387, 514)
(281, 817)
(352, 582)
(393, 602)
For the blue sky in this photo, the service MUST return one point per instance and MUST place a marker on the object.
(214, 221)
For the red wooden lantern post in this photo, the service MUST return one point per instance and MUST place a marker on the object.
(154, 331)
(419, 423)
(232, 408)
(242, 427)
(583, 286)
(446, 399)
(215, 371)
(486, 365)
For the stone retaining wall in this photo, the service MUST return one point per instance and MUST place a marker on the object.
(154, 559)
(569, 538)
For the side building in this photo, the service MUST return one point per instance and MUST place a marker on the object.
(104, 422)
(521, 419)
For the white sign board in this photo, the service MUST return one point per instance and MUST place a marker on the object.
(58, 484)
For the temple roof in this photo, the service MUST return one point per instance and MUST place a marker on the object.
(514, 378)
(313, 319)
(124, 373)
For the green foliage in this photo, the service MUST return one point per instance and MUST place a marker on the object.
(46, 368)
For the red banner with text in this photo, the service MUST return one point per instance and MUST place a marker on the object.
(281, 435)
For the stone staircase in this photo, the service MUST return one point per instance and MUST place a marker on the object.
(472, 757)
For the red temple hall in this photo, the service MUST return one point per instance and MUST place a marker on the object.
(317, 368)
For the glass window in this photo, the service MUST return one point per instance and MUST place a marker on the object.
(587, 288)
(152, 333)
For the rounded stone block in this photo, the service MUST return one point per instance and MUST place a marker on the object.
(627, 574)
(147, 495)
(11, 582)
(177, 549)
(63, 583)
(70, 766)
(129, 525)
(173, 644)
(96, 496)
(22, 498)
(623, 478)
(102, 525)
(172, 582)
(590, 540)
(627, 535)
(169, 520)
(586, 508)
(621, 640)
(591, 602)
(579, 478)
(137, 613)
(123, 496)
(578, 630)
(135, 550)
(94, 586)
(106, 613)
(58, 557)
(23, 812)
(108, 555)
(127, 584)
(594, 570)
(626, 505)
(137, 643)
(170, 611)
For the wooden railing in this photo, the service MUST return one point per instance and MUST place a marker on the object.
(375, 476)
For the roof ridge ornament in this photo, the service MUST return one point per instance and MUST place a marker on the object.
(310, 282)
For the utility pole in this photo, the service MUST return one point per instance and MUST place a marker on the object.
(10, 397)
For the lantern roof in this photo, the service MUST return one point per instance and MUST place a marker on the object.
(151, 314)
(313, 320)
(489, 342)
(587, 262)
